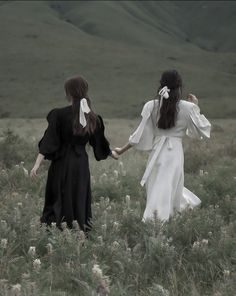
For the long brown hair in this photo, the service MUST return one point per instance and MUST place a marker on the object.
(76, 88)
(169, 108)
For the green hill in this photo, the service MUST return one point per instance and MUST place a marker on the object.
(121, 48)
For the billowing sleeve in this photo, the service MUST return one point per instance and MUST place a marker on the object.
(198, 126)
(142, 138)
(98, 141)
(50, 142)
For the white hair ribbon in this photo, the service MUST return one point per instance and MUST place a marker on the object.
(84, 108)
(164, 93)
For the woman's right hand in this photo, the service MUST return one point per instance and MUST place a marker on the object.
(192, 98)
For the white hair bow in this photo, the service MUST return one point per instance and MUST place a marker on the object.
(164, 93)
(84, 108)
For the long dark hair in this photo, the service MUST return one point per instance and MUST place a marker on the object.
(76, 88)
(168, 112)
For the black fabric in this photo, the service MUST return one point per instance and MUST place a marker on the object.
(68, 191)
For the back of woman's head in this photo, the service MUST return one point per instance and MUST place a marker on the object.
(76, 88)
(169, 108)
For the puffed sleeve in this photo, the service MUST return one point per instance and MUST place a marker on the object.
(198, 126)
(50, 142)
(98, 141)
(142, 138)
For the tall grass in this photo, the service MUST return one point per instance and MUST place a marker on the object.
(192, 254)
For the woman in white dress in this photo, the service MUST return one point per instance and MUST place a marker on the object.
(165, 121)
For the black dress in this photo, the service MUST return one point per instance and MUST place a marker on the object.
(68, 191)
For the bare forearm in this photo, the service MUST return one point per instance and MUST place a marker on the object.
(125, 148)
(39, 159)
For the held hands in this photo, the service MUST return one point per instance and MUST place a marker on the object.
(114, 154)
(118, 150)
(192, 98)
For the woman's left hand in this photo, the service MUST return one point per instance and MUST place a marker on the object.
(114, 154)
(33, 173)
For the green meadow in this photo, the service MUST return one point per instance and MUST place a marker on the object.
(121, 48)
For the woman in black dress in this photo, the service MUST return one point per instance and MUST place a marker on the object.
(68, 192)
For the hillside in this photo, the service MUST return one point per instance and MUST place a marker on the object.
(120, 47)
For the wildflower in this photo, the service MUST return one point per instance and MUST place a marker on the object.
(16, 290)
(100, 239)
(116, 225)
(75, 225)
(116, 174)
(196, 245)
(54, 225)
(226, 273)
(81, 236)
(37, 264)
(32, 251)
(115, 245)
(4, 243)
(201, 173)
(19, 204)
(25, 171)
(209, 233)
(49, 248)
(97, 272)
(4, 224)
(63, 225)
(109, 208)
(107, 200)
(104, 228)
(121, 168)
(127, 199)
(103, 178)
(205, 242)
(205, 173)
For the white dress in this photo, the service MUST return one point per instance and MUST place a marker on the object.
(164, 174)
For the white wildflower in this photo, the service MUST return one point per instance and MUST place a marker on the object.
(25, 171)
(4, 243)
(4, 224)
(19, 204)
(109, 208)
(107, 200)
(103, 178)
(37, 264)
(205, 242)
(16, 290)
(116, 174)
(54, 224)
(63, 225)
(201, 173)
(97, 272)
(115, 245)
(210, 234)
(116, 225)
(226, 273)
(127, 199)
(196, 245)
(75, 225)
(32, 251)
(100, 239)
(104, 228)
(49, 248)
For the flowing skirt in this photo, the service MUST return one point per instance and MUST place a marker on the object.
(165, 185)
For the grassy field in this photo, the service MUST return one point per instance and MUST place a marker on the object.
(121, 48)
(191, 255)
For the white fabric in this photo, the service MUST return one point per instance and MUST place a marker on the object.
(164, 93)
(84, 108)
(164, 175)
